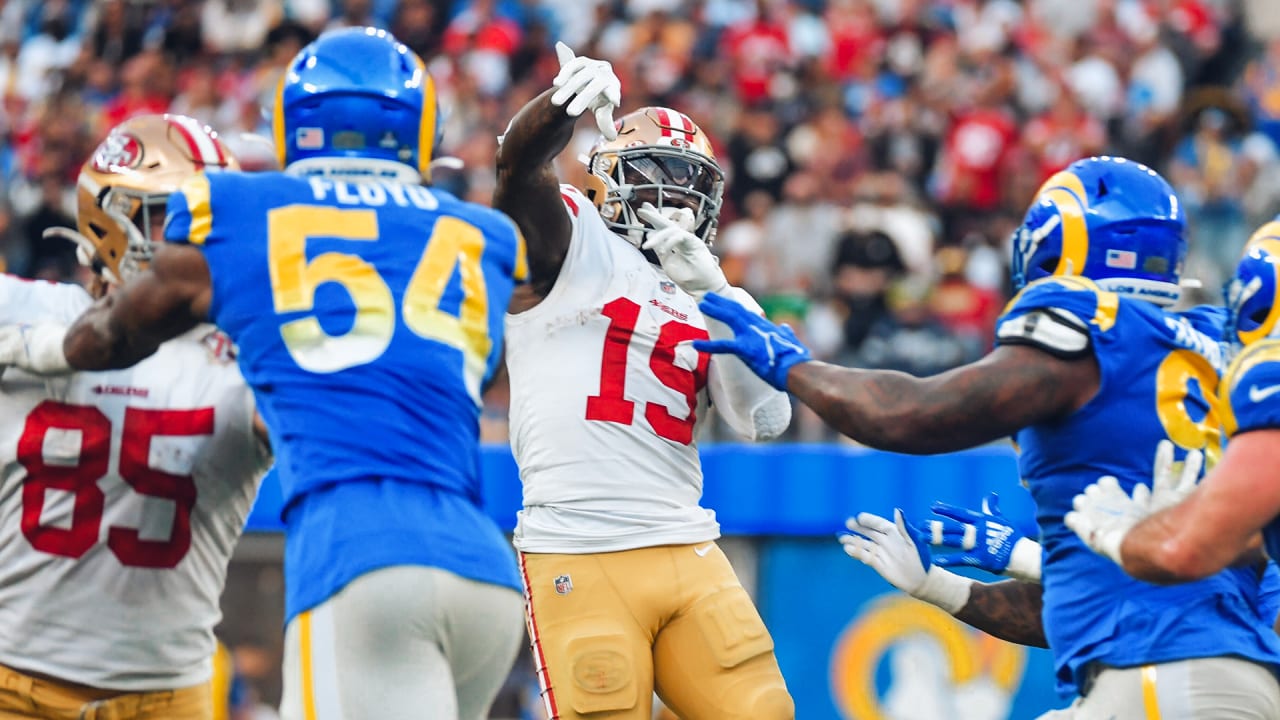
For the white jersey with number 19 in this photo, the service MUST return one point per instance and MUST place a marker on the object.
(122, 496)
(606, 399)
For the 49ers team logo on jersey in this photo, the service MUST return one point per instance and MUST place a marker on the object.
(120, 151)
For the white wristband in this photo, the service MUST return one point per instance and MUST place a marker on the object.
(944, 589)
(1024, 561)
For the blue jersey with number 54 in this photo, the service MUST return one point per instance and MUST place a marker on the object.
(1159, 374)
(369, 317)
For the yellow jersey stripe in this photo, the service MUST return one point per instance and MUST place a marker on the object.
(196, 190)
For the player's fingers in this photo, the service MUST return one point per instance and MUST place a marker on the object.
(955, 512)
(1075, 520)
(991, 504)
(613, 94)
(587, 96)
(571, 92)
(1163, 466)
(954, 560)
(650, 214)
(1141, 495)
(604, 121)
(875, 524)
(1190, 471)
(564, 53)
(715, 347)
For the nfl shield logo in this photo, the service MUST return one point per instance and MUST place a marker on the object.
(563, 585)
(668, 287)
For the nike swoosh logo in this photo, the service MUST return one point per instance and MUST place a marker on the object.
(702, 551)
(1258, 395)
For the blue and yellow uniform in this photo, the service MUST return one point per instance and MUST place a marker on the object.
(368, 317)
(1159, 375)
(1250, 400)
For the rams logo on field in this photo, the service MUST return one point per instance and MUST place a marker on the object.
(903, 659)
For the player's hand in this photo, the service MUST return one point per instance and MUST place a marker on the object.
(900, 554)
(587, 84)
(1103, 514)
(1170, 484)
(34, 348)
(684, 256)
(984, 538)
(769, 350)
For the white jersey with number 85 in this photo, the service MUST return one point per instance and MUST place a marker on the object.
(122, 496)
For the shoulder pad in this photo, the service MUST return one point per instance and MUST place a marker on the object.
(1249, 394)
(1058, 332)
(1074, 296)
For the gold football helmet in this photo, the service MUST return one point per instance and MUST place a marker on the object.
(123, 189)
(660, 157)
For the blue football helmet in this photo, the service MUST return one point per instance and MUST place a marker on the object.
(356, 102)
(1112, 220)
(1253, 307)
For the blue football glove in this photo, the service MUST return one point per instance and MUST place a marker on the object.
(985, 539)
(769, 350)
(901, 555)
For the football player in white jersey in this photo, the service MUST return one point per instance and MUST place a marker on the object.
(626, 589)
(123, 493)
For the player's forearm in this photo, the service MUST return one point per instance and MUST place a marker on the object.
(1165, 549)
(891, 410)
(1009, 610)
(95, 342)
(537, 134)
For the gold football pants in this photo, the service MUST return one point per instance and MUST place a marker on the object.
(609, 629)
(25, 697)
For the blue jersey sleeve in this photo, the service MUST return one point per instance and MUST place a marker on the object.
(1057, 315)
(1250, 392)
(1269, 594)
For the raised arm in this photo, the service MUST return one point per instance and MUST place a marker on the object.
(527, 187)
(127, 325)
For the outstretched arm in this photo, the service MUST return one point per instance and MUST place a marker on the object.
(1009, 389)
(1009, 610)
(127, 325)
(1014, 386)
(527, 187)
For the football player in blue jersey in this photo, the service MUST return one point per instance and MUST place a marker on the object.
(1218, 524)
(368, 310)
(1090, 373)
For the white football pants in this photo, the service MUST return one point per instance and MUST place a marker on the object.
(402, 643)
(1220, 688)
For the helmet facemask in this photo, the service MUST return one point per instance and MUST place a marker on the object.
(667, 178)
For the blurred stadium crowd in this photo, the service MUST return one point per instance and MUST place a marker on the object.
(878, 151)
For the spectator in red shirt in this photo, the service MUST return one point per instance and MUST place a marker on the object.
(756, 49)
(1062, 134)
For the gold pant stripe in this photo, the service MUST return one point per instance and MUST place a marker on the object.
(1150, 702)
(308, 677)
(535, 641)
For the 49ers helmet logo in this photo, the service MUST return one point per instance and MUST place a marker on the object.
(120, 151)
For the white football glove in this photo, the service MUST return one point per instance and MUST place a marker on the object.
(587, 84)
(901, 556)
(34, 348)
(1104, 515)
(1167, 490)
(684, 256)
